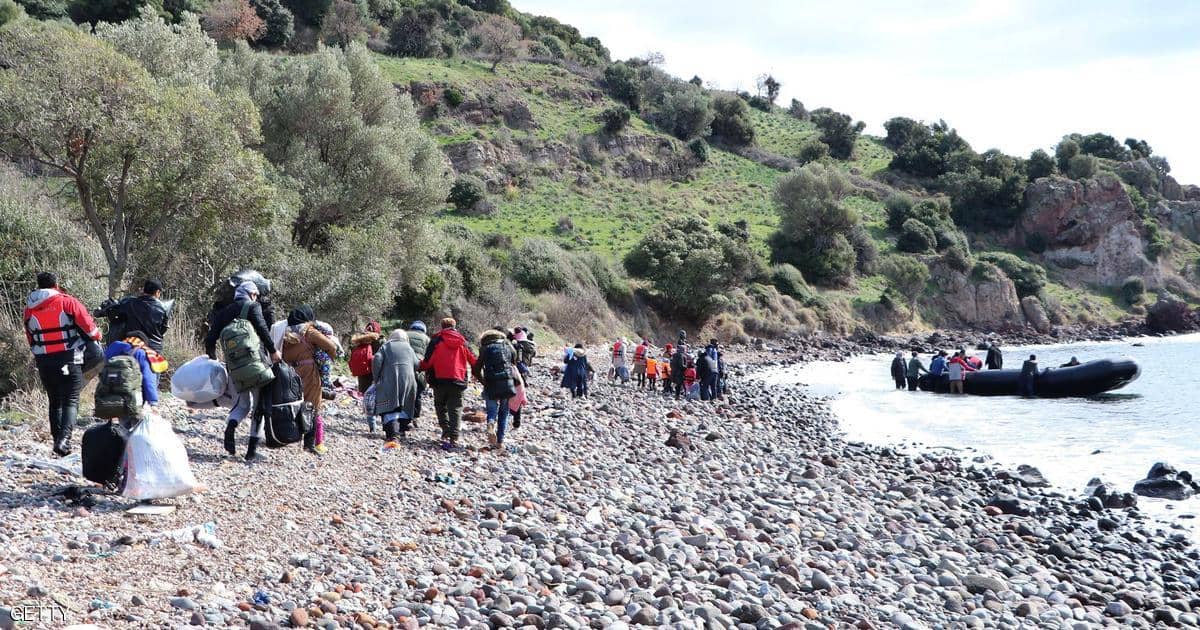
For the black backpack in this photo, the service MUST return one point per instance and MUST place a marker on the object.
(102, 452)
(281, 405)
(497, 380)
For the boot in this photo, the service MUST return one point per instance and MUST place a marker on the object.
(389, 431)
(251, 449)
(231, 438)
(55, 420)
(62, 445)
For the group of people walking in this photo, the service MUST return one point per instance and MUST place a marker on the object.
(700, 376)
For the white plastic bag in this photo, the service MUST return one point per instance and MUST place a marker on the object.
(201, 380)
(156, 462)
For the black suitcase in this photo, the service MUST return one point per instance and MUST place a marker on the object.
(102, 452)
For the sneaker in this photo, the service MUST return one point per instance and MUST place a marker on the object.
(320, 449)
(447, 445)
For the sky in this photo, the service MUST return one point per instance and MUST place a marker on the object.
(1010, 74)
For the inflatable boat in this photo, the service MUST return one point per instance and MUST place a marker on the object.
(1083, 380)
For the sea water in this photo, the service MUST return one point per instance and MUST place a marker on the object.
(1116, 436)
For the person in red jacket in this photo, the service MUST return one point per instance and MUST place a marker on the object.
(57, 326)
(448, 361)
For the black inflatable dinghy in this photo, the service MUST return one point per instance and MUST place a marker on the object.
(1086, 379)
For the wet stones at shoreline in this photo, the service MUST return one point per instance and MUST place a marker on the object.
(1164, 481)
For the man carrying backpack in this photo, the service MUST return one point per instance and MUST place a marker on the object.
(446, 361)
(145, 313)
(709, 370)
(496, 356)
(128, 370)
(420, 343)
(679, 365)
(57, 326)
(244, 307)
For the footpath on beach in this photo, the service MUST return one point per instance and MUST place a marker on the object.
(622, 509)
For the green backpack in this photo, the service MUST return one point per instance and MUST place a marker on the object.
(119, 390)
(243, 354)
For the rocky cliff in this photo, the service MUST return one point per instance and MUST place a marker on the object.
(982, 297)
(1090, 228)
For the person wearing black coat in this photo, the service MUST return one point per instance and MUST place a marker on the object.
(220, 317)
(995, 359)
(145, 313)
(899, 370)
(1027, 383)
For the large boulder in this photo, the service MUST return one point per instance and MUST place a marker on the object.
(1035, 313)
(1165, 482)
(1089, 227)
(1181, 216)
(1171, 314)
(982, 297)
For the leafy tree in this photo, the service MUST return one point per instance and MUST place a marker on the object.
(1082, 166)
(770, 88)
(696, 80)
(699, 148)
(814, 224)
(812, 150)
(467, 191)
(44, 9)
(280, 23)
(1160, 164)
(1138, 148)
(308, 12)
(336, 126)
(838, 131)
(615, 119)
(417, 32)
(153, 165)
(731, 120)
(916, 237)
(901, 131)
(796, 109)
(685, 112)
(1039, 165)
(622, 82)
(906, 275)
(176, 8)
(10, 11)
(927, 150)
(1102, 145)
(497, 7)
(691, 265)
(497, 37)
(346, 22)
(1066, 149)
(176, 54)
(232, 21)
(94, 11)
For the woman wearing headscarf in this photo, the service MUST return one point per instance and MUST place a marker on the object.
(394, 371)
(301, 342)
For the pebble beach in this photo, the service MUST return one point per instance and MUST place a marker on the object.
(623, 509)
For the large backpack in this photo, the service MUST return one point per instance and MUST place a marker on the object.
(497, 379)
(360, 360)
(243, 353)
(102, 452)
(119, 389)
(282, 407)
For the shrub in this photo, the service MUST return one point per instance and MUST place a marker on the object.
(1028, 278)
(416, 33)
(916, 237)
(866, 252)
(1063, 153)
(934, 212)
(760, 103)
(622, 82)
(927, 150)
(1157, 242)
(9, 11)
(1133, 290)
(699, 148)
(541, 265)
(1039, 165)
(467, 191)
(990, 200)
(685, 113)
(1036, 243)
(815, 225)
(796, 109)
(838, 131)
(481, 208)
(615, 119)
(957, 258)
(1082, 167)
(564, 226)
(812, 150)
(788, 279)
(453, 96)
(731, 120)
(613, 285)
(554, 46)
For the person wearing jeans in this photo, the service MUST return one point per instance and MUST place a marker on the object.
(446, 361)
(497, 419)
(57, 326)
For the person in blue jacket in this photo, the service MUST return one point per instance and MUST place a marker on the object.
(134, 346)
(937, 367)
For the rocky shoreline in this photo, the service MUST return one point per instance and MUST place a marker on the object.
(755, 515)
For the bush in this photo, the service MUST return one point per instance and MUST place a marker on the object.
(1133, 290)
(615, 119)
(467, 191)
(622, 82)
(1063, 153)
(934, 212)
(685, 113)
(1082, 167)
(815, 226)
(1039, 165)
(453, 96)
(564, 226)
(760, 103)
(699, 148)
(916, 237)
(1157, 242)
(279, 22)
(986, 200)
(866, 252)
(906, 275)
(957, 258)
(1028, 278)
(796, 109)
(416, 33)
(812, 150)
(541, 265)
(731, 120)
(1036, 243)
(9, 11)
(788, 279)
(838, 131)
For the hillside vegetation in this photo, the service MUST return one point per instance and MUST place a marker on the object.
(407, 158)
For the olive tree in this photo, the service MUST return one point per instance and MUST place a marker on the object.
(814, 225)
(152, 164)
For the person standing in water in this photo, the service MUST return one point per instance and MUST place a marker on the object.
(899, 370)
(1027, 383)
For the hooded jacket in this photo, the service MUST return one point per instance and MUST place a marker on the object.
(149, 380)
(899, 369)
(448, 358)
(395, 379)
(145, 313)
(577, 369)
(56, 322)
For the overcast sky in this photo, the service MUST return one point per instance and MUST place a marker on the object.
(1016, 75)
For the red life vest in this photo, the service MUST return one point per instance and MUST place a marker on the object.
(618, 350)
(639, 352)
(56, 322)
